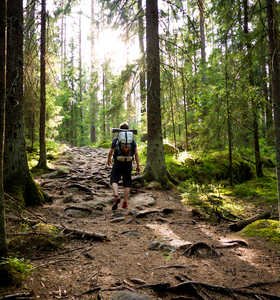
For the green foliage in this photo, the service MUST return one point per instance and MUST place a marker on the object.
(210, 167)
(259, 190)
(104, 144)
(268, 230)
(16, 268)
(210, 198)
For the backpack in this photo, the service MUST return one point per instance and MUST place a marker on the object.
(125, 147)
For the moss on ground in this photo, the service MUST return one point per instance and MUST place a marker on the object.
(208, 168)
(262, 191)
(268, 230)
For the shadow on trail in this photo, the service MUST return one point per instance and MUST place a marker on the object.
(145, 250)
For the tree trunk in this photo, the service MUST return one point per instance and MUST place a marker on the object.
(103, 102)
(81, 112)
(185, 108)
(155, 165)
(43, 153)
(229, 129)
(17, 178)
(3, 25)
(171, 88)
(142, 73)
(202, 37)
(93, 104)
(62, 43)
(258, 163)
(275, 80)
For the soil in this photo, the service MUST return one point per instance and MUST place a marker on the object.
(156, 247)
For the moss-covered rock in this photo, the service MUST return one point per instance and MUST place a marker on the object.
(268, 230)
(169, 149)
(35, 242)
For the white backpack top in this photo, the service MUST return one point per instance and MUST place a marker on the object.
(126, 137)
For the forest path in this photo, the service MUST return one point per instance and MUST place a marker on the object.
(145, 246)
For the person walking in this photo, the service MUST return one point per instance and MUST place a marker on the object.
(124, 151)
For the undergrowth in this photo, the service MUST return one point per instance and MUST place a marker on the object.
(16, 269)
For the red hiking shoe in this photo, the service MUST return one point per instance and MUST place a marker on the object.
(116, 202)
(124, 205)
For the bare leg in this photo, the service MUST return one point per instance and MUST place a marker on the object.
(115, 189)
(126, 194)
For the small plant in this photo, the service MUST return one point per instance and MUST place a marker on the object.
(16, 268)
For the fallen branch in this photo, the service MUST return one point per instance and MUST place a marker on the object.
(52, 262)
(83, 234)
(170, 267)
(93, 290)
(118, 288)
(17, 296)
(243, 223)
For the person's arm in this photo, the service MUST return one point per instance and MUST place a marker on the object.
(109, 159)
(137, 162)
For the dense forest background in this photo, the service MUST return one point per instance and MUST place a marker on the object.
(202, 75)
(216, 90)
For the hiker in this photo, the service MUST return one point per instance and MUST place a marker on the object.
(122, 163)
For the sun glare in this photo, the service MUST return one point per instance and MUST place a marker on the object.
(110, 46)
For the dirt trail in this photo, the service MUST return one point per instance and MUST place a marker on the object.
(144, 247)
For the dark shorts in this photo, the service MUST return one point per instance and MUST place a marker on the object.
(121, 170)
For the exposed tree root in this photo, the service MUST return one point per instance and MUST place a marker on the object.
(232, 244)
(198, 286)
(201, 249)
(259, 284)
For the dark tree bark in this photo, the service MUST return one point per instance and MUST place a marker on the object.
(258, 163)
(17, 178)
(81, 112)
(43, 153)
(155, 165)
(273, 34)
(93, 104)
(229, 128)
(142, 73)
(3, 25)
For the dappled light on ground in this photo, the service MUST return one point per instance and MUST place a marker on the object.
(167, 234)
